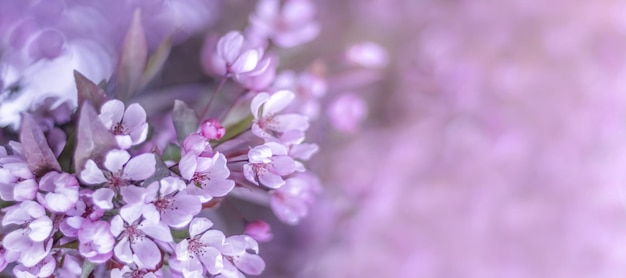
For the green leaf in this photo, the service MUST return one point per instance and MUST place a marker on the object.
(236, 129)
(171, 152)
(88, 267)
(156, 61)
(185, 120)
(132, 63)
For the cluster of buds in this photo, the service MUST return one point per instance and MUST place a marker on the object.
(92, 190)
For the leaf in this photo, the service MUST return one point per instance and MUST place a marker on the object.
(133, 58)
(88, 267)
(236, 129)
(93, 139)
(156, 61)
(38, 154)
(161, 171)
(171, 152)
(89, 91)
(185, 120)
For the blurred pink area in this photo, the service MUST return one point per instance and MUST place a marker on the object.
(496, 146)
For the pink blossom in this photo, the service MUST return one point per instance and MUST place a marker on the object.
(233, 56)
(129, 127)
(135, 272)
(268, 164)
(45, 268)
(241, 253)
(290, 202)
(290, 26)
(96, 241)
(17, 181)
(200, 253)
(368, 54)
(262, 76)
(347, 112)
(309, 88)
(207, 176)
(270, 125)
(259, 230)
(137, 239)
(61, 191)
(121, 170)
(31, 239)
(164, 201)
(212, 129)
(197, 144)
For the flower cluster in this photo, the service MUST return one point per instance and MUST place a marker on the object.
(97, 187)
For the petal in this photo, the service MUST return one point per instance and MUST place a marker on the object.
(103, 198)
(140, 167)
(277, 102)
(130, 213)
(229, 46)
(213, 238)
(260, 154)
(111, 112)
(139, 134)
(257, 101)
(117, 225)
(303, 151)
(115, 159)
(135, 116)
(16, 241)
(187, 165)
(92, 174)
(35, 253)
(246, 62)
(124, 141)
(25, 190)
(283, 165)
(250, 264)
(151, 214)
(219, 188)
(134, 194)
(122, 250)
(219, 170)
(287, 122)
(187, 206)
(212, 259)
(147, 253)
(249, 173)
(271, 180)
(171, 185)
(199, 225)
(40, 229)
(156, 231)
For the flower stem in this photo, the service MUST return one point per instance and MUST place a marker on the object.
(205, 111)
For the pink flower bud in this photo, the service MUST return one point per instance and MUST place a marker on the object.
(212, 129)
(259, 230)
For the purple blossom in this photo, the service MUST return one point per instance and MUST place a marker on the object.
(96, 241)
(347, 112)
(121, 170)
(291, 202)
(368, 54)
(290, 26)
(207, 176)
(212, 129)
(45, 268)
(31, 239)
(308, 87)
(129, 127)
(233, 55)
(241, 253)
(270, 125)
(268, 164)
(262, 76)
(200, 253)
(259, 230)
(17, 181)
(137, 239)
(58, 192)
(164, 201)
(135, 272)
